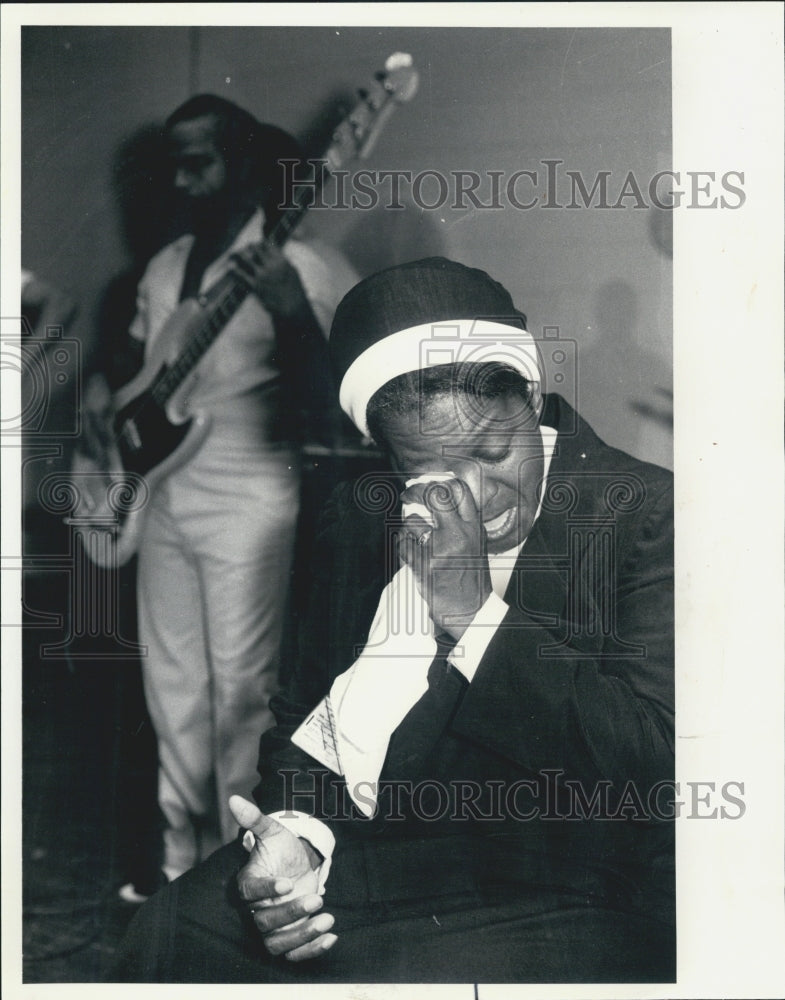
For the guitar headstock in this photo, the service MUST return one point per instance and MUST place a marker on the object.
(356, 135)
(399, 78)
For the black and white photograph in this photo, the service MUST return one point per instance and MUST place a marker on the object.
(392, 499)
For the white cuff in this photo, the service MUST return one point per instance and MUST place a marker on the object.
(475, 640)
(318, 834)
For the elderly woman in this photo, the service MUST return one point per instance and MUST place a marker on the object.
(470, 776)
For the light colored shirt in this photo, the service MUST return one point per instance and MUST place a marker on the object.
(233, 373)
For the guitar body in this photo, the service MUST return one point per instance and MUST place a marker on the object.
(150, 440)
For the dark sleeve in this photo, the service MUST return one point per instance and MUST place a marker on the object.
(309, 391)
(597, 708)
(283, 767)
(335, 623)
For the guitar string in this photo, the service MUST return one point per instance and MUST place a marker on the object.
(222, 310)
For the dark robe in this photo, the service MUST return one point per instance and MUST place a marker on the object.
(524, 831)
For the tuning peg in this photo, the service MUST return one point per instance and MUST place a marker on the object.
(398, 60)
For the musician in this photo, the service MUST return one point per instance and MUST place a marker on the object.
(214, 560)
(493, 626)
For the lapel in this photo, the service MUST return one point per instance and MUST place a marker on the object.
(540, 582)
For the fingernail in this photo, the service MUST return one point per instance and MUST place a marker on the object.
(323, 922)
(328, 941)
(312, 903)
(282, 885)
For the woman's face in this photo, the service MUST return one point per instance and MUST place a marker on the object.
(494, 446)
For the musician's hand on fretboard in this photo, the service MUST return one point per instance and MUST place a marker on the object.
(270, 276)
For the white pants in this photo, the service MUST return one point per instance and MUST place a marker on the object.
(214, 568)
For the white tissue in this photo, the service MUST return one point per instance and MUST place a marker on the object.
(420, 508)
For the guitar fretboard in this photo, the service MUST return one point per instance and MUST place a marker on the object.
(222, 300)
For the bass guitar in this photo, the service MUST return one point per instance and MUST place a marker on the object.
(152, 433)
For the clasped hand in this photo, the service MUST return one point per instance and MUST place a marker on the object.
(279, 885)
(270, 276)
(448, 558)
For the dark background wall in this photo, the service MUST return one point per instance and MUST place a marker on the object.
(489, 100)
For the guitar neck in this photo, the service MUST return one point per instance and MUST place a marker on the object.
(305, 195)
(223, 298)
